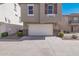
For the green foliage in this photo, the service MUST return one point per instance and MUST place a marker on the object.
(4, 34)
(61, 34)
(20, 34)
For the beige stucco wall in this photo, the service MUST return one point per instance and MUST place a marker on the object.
(50, 19)
(24, 13)
(59, 21)
(40, 17)
(64, 23)
(39, 14)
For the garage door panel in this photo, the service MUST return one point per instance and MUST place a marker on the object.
(40, 29)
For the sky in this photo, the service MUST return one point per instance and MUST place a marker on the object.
(68, 8)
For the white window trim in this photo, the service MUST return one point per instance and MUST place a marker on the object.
(53, 11)
(30, 14)
(51, 14)
(28, 10)
(30, 4)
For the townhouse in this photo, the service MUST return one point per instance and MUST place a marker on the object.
(10, 18)
(70, 23)
(41, 18)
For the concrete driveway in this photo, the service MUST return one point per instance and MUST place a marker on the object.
(48, 47)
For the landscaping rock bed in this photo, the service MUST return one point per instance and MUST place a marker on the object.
(71, 36)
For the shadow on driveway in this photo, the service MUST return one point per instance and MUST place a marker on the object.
(33, 38)
(16, 38)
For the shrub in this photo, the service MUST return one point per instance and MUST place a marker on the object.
(74, 36)
(4, 34)
(61, 34)
(20, 34)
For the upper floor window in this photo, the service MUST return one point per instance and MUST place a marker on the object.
(30, 8)
(50, 9)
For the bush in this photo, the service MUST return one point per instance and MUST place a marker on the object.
(20, 34)
(4, 34)
(61, 34)
(74, 36)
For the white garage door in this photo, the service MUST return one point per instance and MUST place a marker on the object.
(40, 29)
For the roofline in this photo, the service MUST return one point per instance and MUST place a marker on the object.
(73, 14)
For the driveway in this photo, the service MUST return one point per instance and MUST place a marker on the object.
(49, 46)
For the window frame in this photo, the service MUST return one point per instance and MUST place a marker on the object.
(50, 5)
(28, 9)
(46, 9)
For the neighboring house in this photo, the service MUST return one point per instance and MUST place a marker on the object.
(70, 23)
(41, 18)
(10, 18)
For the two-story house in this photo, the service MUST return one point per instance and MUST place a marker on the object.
(41, 18)
(70, 23)
(10, 17)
